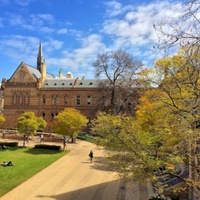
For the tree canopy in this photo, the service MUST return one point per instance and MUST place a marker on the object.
(69, 122)
(164, 132)
(28, 123)
(118, 70)
(2, 119)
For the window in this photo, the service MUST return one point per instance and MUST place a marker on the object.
(20, 99)
(88, 100)
(52, 100)
(43, 99)
(43, 115)
(52, 116)
(14, 99)
(57, 100)
(26, 99)
(78, 100)
(65, 100)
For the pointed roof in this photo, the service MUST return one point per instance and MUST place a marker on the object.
(40, 54)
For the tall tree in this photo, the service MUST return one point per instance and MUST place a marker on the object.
(120, 85)
(28, 123)
(181, 30)
(69, 122)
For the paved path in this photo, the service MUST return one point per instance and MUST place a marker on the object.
(73, 177)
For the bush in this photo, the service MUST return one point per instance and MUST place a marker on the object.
(46, 146)
(9, 144)
(85, 136)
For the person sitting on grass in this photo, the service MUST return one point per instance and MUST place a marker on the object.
(5, 164)
(4, 146)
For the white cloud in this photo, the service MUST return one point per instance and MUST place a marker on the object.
(115, 8)
(62, 31)
(129, 26)
(23, 2)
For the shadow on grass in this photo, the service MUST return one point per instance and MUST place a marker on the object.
(9, 149)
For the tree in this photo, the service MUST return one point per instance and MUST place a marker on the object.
(181, 30)
(120, 85)
(2, 119)
(140, 148)
(28, 123)
(181, 84)
(164, 131)
(69, 122)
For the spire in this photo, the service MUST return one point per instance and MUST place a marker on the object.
(40, 50)
(40, 59)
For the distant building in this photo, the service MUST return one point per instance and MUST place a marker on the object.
(33, 89)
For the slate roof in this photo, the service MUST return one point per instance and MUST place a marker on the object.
(36, 73)
(69, 83)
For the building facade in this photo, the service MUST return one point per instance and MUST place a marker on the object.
(33, 89)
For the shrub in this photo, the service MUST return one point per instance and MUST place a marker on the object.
(46, 146)
(9, 144)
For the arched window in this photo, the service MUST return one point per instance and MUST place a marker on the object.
(14, 99)
(26, 99)
(20, 99)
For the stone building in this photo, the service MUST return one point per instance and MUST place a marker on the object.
(33, 89)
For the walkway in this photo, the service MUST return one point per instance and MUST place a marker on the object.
(73, 177)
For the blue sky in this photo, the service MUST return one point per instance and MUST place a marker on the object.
(73, 32)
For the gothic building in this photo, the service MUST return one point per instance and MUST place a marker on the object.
(33, 89)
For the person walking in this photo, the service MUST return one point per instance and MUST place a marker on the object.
(64, 144)
(91, 156)
(41, 138)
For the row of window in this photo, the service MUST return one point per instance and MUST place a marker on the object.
(55, 100)
(24, 99)
(52, 115)
(20, 99)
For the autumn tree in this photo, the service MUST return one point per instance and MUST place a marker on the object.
(178, 77)
(2, 119)
(181, 84)
(69, 122)
(164, 131)
(119, 84)
(28, 123)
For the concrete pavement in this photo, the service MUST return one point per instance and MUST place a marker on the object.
(73, 177)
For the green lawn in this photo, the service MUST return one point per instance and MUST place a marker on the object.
(27, 162)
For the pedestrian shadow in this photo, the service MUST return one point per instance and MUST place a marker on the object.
(99, 163)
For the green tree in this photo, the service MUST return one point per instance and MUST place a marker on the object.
(129, 146)
(69, 122)
(28, 123)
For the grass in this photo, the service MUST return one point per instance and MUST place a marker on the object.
(27, 162)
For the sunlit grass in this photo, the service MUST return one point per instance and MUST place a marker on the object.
(27, 162)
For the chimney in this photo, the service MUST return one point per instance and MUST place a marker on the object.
(75, 82)
(60, 74)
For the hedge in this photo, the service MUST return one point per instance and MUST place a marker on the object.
(46, 146)
(9, 144)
